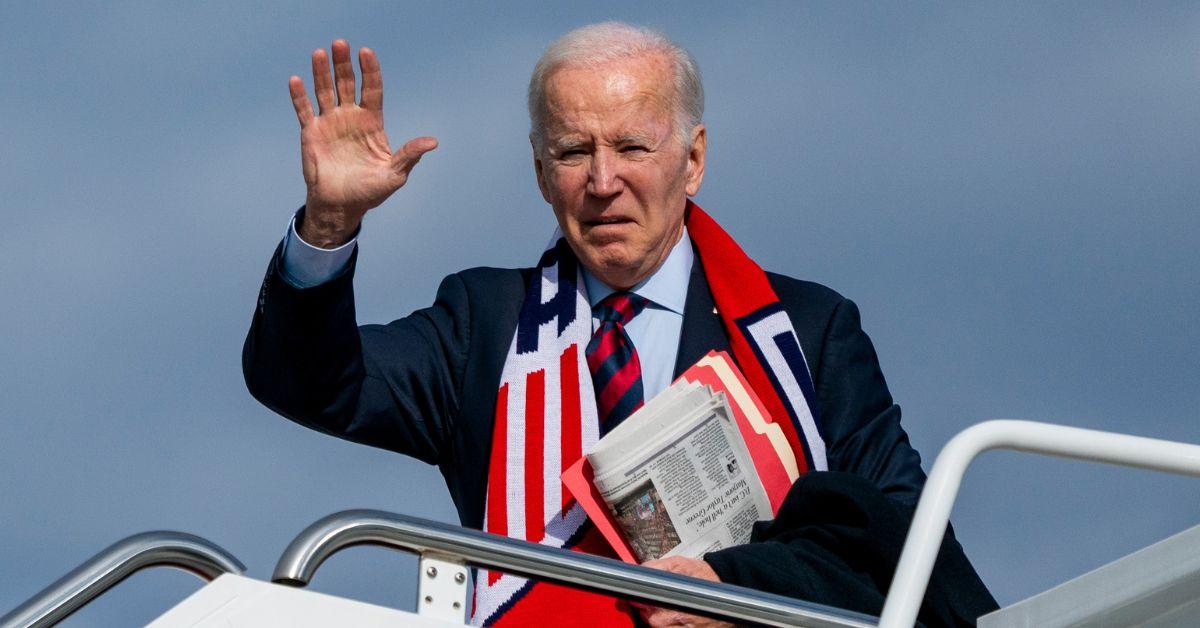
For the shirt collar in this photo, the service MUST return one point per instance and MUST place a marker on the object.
(666, 288)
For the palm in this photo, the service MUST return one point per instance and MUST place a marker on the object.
(349, 167)
(347, 159)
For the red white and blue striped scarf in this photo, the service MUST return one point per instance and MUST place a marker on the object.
(546, 415)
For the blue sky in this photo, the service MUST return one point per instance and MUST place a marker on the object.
(1010, 194)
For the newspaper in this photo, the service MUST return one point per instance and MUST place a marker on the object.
(678, 477)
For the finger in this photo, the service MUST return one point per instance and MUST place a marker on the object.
(322, 82)
(663, 617)
(372, 80)
(412, 151)
(650, 614)
(343, 72)
(304, 112)
(665, 564)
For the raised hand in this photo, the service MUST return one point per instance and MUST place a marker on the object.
(349, 167)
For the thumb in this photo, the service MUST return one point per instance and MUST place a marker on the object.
(408, 155)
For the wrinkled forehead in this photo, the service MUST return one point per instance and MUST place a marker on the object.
(638, 87)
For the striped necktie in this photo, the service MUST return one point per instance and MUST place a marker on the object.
(613, 360)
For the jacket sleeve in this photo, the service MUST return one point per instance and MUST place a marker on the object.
(393, 386)
(838, 535)
(859, 421)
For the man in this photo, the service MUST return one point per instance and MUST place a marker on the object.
(512, 374)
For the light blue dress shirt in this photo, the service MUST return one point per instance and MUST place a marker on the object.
(655, 332)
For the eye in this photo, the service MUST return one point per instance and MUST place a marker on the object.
(633, 148)
(570, 154)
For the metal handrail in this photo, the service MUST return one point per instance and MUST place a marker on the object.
(933, 510)
(335, 532)
(119, 561)
(331, 534)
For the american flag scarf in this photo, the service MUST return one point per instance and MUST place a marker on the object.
(546, 415)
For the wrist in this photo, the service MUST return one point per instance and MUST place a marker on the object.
(327, 227)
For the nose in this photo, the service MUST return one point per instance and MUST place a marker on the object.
(604, 180)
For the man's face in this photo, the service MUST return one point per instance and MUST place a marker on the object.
(613, 168)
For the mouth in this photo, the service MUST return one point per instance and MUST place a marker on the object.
(607, 220)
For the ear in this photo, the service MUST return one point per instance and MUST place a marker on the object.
(695, 165)
(537, 170)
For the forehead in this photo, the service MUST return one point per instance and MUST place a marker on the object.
(622, 91)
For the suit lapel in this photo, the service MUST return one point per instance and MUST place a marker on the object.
(702, 330)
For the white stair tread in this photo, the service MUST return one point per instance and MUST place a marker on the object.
(233, 601)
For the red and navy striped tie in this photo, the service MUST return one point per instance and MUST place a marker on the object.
(613, 360)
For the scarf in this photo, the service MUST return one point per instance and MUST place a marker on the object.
(546, 415)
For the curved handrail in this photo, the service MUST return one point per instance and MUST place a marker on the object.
(120, 560)
(340, 530)
(933, 510)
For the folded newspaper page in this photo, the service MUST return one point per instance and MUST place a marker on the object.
(678, 477)
(660, 469)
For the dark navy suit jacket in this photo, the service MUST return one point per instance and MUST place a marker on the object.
(425, 385)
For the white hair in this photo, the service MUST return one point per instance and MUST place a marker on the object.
(597, 44)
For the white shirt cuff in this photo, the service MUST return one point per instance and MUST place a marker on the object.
(305, 265)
